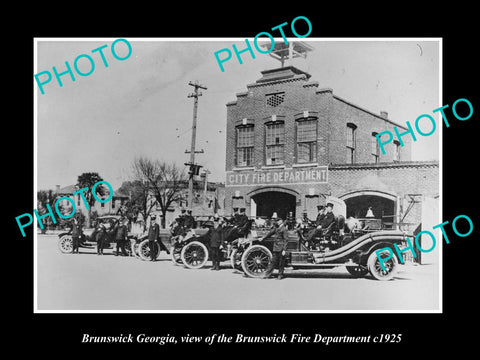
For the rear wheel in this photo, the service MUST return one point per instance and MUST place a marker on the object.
(389, 269)
(144, 250)
(134, 248)
(255, 261)
(65, 244)
(194, 255)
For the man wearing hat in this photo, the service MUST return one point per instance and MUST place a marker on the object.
(320, 222)
(325, 225)
(189, 220)
(280, 241)
(121, 231)
(181, 218)
(328, 218)
(153, 234)
(216, 236)
(242, 218)
(76, 233)
(235, 216)
(320, 215)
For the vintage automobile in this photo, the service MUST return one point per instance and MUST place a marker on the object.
(191, 248)
(87, 240)
(356, 251)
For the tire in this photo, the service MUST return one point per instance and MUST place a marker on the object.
(134, 247)
(176, 254)
(144, 250)
(357, 271)
(194, 255)
(65, 244)
(255, 261)
(375, 268)
(236, 259)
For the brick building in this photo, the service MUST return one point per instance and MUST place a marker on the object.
(292, 145)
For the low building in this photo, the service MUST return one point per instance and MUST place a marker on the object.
(109, 207)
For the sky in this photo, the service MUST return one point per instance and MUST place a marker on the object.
(140, 106)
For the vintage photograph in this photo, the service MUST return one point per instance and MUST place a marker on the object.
(236, 175)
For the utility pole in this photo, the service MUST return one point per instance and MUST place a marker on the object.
(193, 168)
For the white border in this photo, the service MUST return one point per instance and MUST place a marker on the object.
(35, 235)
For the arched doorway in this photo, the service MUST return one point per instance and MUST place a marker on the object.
(271, 200)
(383, 205)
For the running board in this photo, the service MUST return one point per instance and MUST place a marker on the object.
(297, 265)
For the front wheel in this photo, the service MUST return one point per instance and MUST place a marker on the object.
(389, 269)
(236, 259)
(194, 255)
(65, 244)
(176, 254)
(144, 250)
(255, 261)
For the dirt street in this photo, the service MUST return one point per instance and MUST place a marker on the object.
(89, 282)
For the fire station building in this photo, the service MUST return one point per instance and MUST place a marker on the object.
(292, 145)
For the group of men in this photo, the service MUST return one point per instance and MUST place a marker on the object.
(279, 233)
(118, 231)
(239, 218)
(186, 219)
(216, 233)
(323, 222)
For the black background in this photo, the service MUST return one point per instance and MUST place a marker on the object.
(60, 335)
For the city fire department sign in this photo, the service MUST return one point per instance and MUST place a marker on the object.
(277, 177)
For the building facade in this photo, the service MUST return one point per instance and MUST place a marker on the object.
(292, 145)
(106, 208)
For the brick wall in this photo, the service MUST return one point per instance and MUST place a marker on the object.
(332, 113)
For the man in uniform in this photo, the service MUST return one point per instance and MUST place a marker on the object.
(189, 220)
(76, 233)
(318, 223)
(100, 237)
(235, 216)
(153, 234)
(280, 236)
(320, 215)
(242, 218)
(328, 218)
(215, 234)
(181, 217)
(121, 231)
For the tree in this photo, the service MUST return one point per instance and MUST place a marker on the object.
(45, 197)
(140, 201)
(165, 181)
(88, 180)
